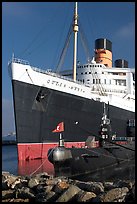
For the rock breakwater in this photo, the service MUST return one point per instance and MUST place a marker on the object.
(45, 188)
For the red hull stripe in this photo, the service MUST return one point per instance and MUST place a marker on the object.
(39, 150)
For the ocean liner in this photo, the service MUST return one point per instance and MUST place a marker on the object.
(43, 99)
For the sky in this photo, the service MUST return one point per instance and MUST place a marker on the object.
(36, 32)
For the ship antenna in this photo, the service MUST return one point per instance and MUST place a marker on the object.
(105, 119)
(75, 30)
(13, 56)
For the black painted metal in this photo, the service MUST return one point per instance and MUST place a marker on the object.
(103, 43)
(38, 110)
(100, 163)
(121, 63)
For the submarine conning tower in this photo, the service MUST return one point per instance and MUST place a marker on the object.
(103, 51)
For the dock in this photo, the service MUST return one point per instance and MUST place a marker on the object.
(9, 140)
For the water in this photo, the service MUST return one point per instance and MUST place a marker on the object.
(9, 138)
(10, 163)
(9, 159)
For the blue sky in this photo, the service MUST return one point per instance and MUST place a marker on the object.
(36, 31)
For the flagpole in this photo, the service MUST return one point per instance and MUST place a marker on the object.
(61, 140)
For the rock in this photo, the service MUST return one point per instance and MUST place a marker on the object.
(46, 197)
(96, 187)
(48, 188)
(5, 172)
(25, 193)
(8, 194)
(95, 199)
(121, 184)
(41, 197)
(86, 196)
(45, 188)
(115, 195)
(40, 188)
(33, 182)
(82, 185)
(130, 197)
(8, 180)
(16, 182)
(108, 185)
(16, 200)
(39, 178)
(51, 181)
(42, 175)
(69, 194)
(4, 184)
(51, 196)
(60, 186)
(55, 180)
(19, 183)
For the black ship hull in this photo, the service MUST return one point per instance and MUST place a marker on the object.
(38, 110)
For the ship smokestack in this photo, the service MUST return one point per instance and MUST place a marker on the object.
(103, 51)
(121, 63)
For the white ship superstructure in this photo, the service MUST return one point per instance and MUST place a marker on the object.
(94, 81)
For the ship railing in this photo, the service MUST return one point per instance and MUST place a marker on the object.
(93, 88)
(49, 72)
(19, 61)
(109, 91)
(58, 75)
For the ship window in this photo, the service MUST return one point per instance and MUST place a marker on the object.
(85, 72)
(95, 72)
(82, 73)
(104, 81)
(83, 80)
(93, 81)
(102, 72)
(131, 123)
(89, 72)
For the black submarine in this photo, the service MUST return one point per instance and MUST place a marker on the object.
(103, 155)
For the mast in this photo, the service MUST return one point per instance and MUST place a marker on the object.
(75, 30)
